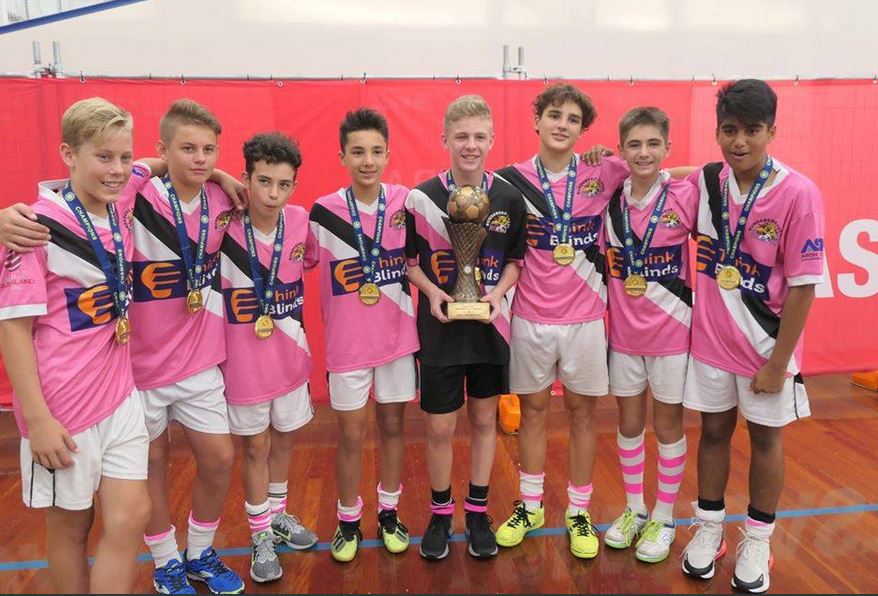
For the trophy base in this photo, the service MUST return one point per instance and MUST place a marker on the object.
(469, 311)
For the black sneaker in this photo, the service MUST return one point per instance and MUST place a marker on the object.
(482, 541)
(434, 544)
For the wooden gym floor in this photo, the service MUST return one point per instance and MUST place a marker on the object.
(826, 538)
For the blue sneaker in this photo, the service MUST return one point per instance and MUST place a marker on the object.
(171, 579)
(209, 569)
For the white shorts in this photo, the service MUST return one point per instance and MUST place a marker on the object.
(576, 354)
(393, 382)
(285, 413)
(197, 402)
(709, 389)
(665, 375)
(115, 447)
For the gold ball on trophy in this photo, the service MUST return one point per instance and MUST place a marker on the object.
(468, 204)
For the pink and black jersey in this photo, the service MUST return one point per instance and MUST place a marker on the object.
(427, 245)
(258, 370)
(658, 322)
(84, 373)
(176, 343)
(736, 330)
(546, 292)
(359, 335)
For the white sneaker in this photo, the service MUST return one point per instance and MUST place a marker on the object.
(753, 562)
(655, 542)
(625, 529)
(708, 545)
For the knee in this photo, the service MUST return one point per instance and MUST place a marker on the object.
(582, 412)
(534, 410)
(667, 431)
(257, 448)
(713, 434)
(483, 423)
(220, 461)
(632, 426)
(129, 521)
(441, 430)
(764, 439)
(390, 426)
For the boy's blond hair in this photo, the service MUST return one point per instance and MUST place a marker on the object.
(467, 106)
(644, 116)
(186, 111)
(91, 118)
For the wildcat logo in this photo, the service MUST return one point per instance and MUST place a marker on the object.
(766, 230)
(442, 265)
(670, 219)
(498, 222)
(298, 252)
(128, 218)
(223, 219)
(591, 187)
(397, 220)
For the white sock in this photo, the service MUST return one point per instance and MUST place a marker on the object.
(163, 547)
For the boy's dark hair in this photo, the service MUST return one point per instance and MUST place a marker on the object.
(749, 100)
(558, 94)
(272, 148)
(362, 119)
(648, 116)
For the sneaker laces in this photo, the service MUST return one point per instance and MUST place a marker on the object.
(625, 522)
(288, 522)
(581, 524)
(389, 522)
(349, 531)
(175, 575)
(651, 530)
(704, 535)
(480, 521)
(264, 547)
(753, 549)
(214, 564)
(520, 515)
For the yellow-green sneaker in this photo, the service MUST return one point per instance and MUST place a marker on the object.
(625, 529)
(393, 534)
(522, 521)
(345, 542)
(584, 542)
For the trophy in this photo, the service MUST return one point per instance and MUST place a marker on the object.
(467, 210)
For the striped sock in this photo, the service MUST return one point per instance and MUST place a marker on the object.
(277, 497)
(477, 499)
(351, 514)
(388, 501)
(579, 498)
(258, 517)
(632, 458)
(759, 523)
(671, 463)
(531, 486)
(441, 502)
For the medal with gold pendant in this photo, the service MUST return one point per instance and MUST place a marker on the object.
(264, 326)
(563, 254)
(635, 285)
(370, 293)
(728, 277)
(123, 330)
(194, 301)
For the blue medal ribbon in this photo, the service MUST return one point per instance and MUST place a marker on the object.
(117, 277)
(452, 186)
(194, 268)
(635, 258)
(368, 261)
(264, 292)
(560, 220)
(731, 244)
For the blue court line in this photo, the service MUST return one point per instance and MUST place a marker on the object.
(322, 546)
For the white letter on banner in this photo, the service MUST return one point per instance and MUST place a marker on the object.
(859, 256)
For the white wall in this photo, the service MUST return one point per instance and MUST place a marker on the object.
(563, 38)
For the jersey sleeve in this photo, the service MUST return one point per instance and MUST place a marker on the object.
(803, 240)
(23, 284)
(312, 248)
(411, 232)
(517, 238)
(613, 171)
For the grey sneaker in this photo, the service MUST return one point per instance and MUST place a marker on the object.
(264, 564)
(289, 530)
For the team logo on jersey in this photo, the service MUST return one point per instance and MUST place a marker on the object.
(397, 220)
(161, 280)
(128, 218)
(498, 222)
(670, 219)
(536, 230)
(13, 261)
(298, 252)
(89, 307)
(813, 249)
(442, 265)
(591, 187)
(710, 258)
(242, 306)
(348, 276)
(223, 219)
(766, 230)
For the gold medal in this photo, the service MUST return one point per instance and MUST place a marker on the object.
(194, 301)
(563, 254)
(728, 277)
(264, 327)
(635, 285)
(123, 330)
(369, 293)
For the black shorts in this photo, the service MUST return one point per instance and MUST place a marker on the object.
(442, 386)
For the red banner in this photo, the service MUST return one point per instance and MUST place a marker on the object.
(826, 129)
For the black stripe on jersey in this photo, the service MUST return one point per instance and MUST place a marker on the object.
(344, 231)
(64, 238)
(238, 255)
(158, 226)
(758, 309)
(675, 286)
(436, 192)
(533, 194)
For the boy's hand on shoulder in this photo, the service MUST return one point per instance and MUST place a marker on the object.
(595, 154)
(769, 379)
(437, 298)
(19, 230)
(51, 444)
(233, 187)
